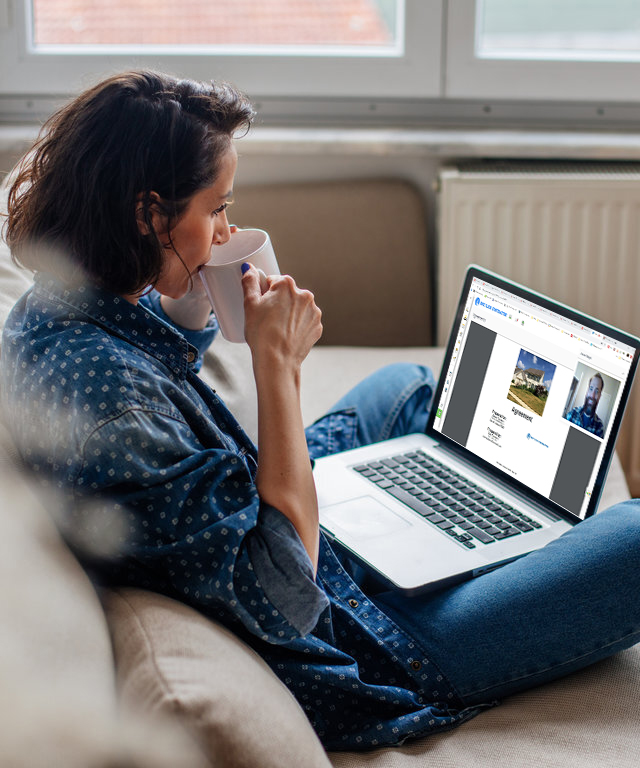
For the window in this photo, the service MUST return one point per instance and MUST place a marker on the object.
(354, 26)
(578, 30)
(270, 48)
(571, 50)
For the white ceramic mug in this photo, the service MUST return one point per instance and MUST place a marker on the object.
(222, 276)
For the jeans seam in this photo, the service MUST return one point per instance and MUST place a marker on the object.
(617, 641)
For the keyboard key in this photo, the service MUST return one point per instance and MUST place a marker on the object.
(384, 483)
(480, 535)
(410, 501)
(506, 533)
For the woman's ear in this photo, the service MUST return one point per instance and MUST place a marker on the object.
(152, 219)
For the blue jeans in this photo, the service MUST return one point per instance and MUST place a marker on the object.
(554, 611)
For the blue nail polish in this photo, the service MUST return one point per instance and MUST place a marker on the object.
(245, 267)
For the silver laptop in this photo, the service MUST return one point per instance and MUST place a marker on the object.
(522, 430)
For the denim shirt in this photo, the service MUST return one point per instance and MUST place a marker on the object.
(158, 479)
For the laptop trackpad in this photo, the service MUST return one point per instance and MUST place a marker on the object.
(365, 517)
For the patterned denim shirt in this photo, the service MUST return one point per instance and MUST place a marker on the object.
(103, 400)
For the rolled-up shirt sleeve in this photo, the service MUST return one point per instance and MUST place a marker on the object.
(284, 569)
(194, 526)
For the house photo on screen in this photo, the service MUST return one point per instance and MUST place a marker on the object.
(531, 382)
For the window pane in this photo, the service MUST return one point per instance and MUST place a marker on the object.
(607, 30)
(368, 24)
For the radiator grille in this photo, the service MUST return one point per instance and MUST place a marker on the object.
(569, 230)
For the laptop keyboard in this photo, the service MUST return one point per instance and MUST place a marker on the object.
(458, 507)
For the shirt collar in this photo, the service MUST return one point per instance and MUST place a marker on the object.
(135, 323)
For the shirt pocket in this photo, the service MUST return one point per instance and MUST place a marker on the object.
(334, 432)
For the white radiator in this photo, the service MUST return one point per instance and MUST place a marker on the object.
(569, 230)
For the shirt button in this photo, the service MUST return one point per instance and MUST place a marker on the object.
(190, 357)
(353, 603)
(416, 665)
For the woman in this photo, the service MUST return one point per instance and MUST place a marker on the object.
(115, 209)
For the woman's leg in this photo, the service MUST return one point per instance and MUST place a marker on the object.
(554, 611)
(391, 402)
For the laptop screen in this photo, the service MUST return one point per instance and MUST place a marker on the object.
(534, 389)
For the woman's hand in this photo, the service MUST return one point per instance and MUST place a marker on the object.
(282, 321)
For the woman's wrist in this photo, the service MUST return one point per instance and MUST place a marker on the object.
(276, 373)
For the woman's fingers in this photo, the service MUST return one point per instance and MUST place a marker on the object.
(284, 319)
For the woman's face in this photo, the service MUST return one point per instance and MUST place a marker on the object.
(203, 224)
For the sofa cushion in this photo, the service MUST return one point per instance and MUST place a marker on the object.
(173, 660)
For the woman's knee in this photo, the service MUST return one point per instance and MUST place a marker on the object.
(413, 386)
(404, 380)
(392, 401)
(620, 520)
(610, 542)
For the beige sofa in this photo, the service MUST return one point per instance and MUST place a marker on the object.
(130, 678)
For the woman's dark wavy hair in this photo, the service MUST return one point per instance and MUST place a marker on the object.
(99, 159)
